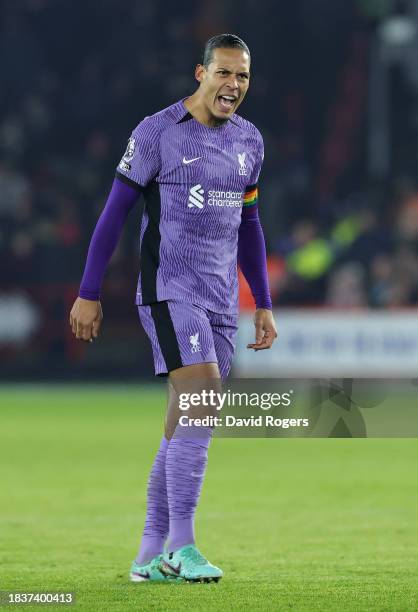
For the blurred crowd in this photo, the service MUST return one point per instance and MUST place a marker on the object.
(75, 81)
(361, 260)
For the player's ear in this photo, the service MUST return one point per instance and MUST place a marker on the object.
(199, 72)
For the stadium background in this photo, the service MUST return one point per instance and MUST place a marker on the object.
(334, 91)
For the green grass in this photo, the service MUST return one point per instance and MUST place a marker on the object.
(296, 524)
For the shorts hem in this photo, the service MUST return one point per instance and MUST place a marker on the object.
(165, 373)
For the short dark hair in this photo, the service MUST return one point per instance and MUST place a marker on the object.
(222, 41)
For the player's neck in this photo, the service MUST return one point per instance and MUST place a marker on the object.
(198, 110)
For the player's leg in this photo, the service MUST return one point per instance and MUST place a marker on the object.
(186, 463)
(188, 448)
(189, 444)
(147, 562)
(180, 334)
(146, 565)
(157, 517)
(187, 454)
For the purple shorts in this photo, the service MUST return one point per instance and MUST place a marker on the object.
(183, 334)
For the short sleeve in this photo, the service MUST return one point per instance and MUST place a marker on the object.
(140, 163)
(250, 201)
(259, 158)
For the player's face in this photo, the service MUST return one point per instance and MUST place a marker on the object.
(224, 83)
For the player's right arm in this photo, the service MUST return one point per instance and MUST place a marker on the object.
(137, 167)
(86, 314)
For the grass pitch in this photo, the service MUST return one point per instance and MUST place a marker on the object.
(296, 524)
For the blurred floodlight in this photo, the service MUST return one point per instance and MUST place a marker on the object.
(398, 31)
(19, 318)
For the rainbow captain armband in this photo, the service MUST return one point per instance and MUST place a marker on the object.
(250, 197)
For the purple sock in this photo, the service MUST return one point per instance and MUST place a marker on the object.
(185, 469)
(157, 519)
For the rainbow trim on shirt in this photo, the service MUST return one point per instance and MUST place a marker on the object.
(250, 196)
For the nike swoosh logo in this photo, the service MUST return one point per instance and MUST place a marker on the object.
(146, 575)
(189, 161)
(176, 570)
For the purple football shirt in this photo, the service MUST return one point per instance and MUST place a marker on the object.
(194, 179)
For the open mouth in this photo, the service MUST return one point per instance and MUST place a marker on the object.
(226, 103)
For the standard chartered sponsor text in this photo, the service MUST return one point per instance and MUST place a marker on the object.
(232, 199)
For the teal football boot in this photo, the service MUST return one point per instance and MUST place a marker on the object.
(150, 572)
(189, 564)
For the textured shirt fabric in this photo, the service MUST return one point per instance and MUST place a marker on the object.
(122, 198)
(195, 180)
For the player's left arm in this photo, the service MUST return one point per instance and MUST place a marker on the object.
(252, 260)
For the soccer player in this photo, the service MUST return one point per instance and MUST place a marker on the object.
(196, 163)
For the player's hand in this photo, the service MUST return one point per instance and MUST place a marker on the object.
(85, 319)
(265, 330)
